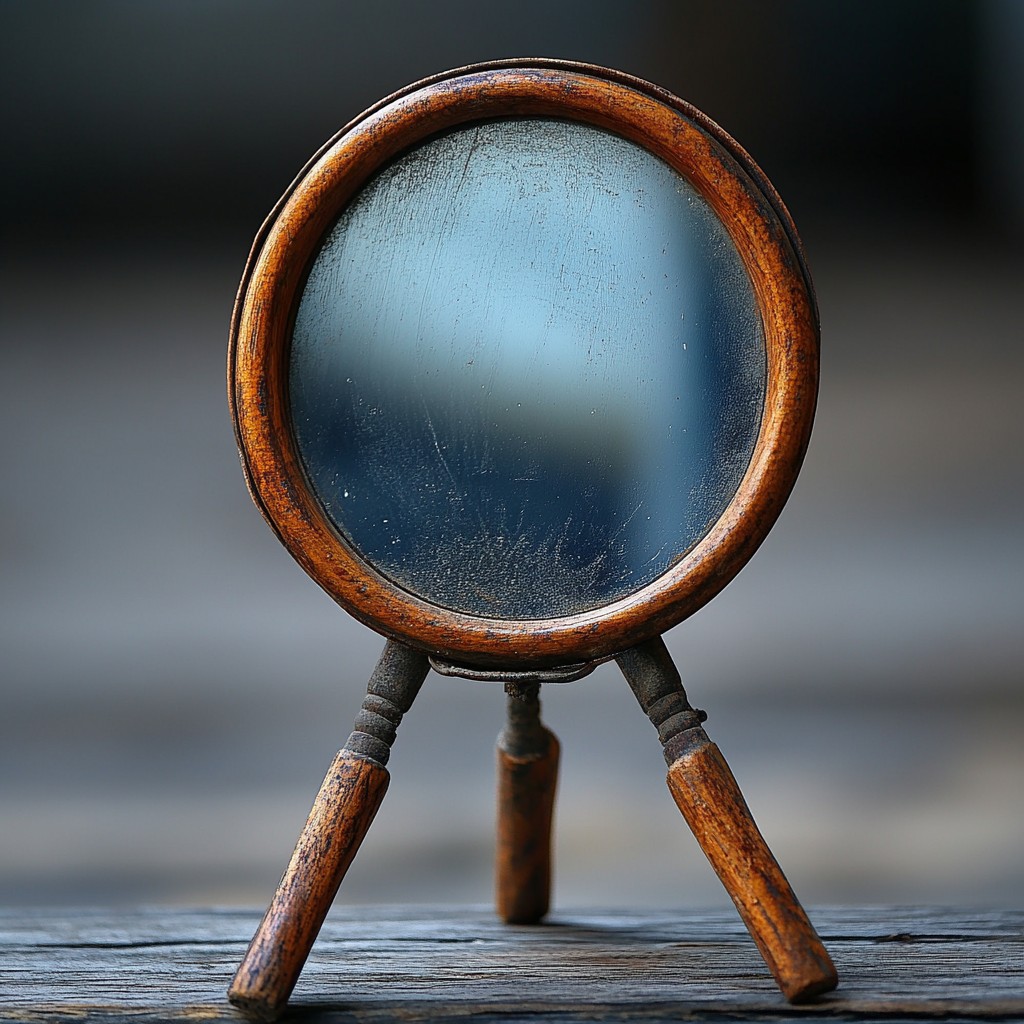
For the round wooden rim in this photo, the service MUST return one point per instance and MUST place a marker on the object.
(270, 291)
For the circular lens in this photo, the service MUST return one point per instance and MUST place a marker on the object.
(527, 369)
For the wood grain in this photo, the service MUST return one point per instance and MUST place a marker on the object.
(383, 964)
(706, 792)
(526, 801)
(341, 815)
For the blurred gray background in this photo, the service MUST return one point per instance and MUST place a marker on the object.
(173, 686)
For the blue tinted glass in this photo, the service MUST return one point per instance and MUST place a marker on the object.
(527, 369)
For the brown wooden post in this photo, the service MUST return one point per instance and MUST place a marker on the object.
(707, 794)
(340, 818)
(527, 755)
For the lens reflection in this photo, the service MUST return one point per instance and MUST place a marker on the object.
(527, 369)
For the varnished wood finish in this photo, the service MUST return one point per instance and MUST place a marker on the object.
(378, 965)
(717, 168)
(526, 801)
(342, 812)
(706, 792)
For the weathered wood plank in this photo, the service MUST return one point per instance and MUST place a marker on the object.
(428, 964)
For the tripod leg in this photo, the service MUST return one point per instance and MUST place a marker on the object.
(527, 778)
(707, 794)
(340, 818)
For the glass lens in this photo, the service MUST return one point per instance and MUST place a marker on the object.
(527, 369)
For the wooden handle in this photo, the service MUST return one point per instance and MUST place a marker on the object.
(526, 801)
(340, 818)
(706, 792)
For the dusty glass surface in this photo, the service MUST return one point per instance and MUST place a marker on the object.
(527, 369)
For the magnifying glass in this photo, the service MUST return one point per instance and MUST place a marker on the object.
(523, 368)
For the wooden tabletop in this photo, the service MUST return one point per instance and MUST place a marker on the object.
(431, 964)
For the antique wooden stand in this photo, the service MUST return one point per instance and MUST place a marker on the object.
(698, 777)
(525, 651)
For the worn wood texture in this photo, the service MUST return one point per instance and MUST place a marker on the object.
(706, 792)
(342, 812)
(375, 964)
(526, 802)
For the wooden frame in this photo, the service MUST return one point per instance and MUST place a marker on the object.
(722, 174)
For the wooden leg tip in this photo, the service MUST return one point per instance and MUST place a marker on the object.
(523, 917)
(254, 1008)
(808, 991)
